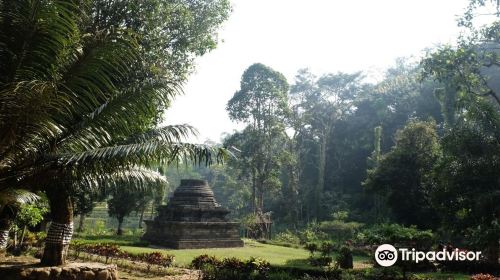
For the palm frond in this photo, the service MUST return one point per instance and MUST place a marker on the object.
(146, 153)
(116, 119)
(16, 197)
(169, 134)
(49, 109)
(135, 178)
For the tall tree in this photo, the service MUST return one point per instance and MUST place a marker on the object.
(467, 176)
(126, 199)
(262, 103)
(318, 104)
(403, 175)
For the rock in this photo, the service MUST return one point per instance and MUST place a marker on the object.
(113, 275)
(67, 273)
(18, 269)
(42, 274)
(102, 275)
(55, 272)
(88, 275)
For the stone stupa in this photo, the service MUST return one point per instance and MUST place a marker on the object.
(192, 219)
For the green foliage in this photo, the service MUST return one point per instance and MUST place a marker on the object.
(231, 268)
(466, 183)
(261, 103)
(340, 215)
(326, 248)
(30, 215)
(472, 193)
(281, 275)
(398, 235)
(403, 176)
(389, 273)
(340, 230)
(287, 237)
(112, 251)
(321, 261)
(81, 95)
(311, 247)
(123, 202)
(344, 258)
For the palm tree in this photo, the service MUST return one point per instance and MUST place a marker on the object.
(76, 106)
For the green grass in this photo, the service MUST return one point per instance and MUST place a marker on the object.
(276, 255)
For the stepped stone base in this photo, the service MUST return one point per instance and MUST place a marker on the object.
(71, 271)
(201, 244)
(193, 235)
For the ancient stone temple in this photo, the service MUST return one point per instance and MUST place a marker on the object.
(193, 219)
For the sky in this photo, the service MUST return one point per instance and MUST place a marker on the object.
(325, 36)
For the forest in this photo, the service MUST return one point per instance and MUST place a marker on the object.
(326, 167)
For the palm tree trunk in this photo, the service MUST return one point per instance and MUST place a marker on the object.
(61, 228)
(5, 224)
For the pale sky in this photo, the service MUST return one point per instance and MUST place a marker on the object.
(322, 35)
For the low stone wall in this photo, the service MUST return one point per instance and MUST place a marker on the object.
(71, 271)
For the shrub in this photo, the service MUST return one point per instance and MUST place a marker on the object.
(156, 258)
(311, 247)
(386, 273)
(281, 275)
(112, 251)
(340, 230)
(398, 235)
(483, 277)
(326, 248)
(344, 258)
(201, 260)
(287, 237)
(231, 268)
(311, 234)
(320, 261)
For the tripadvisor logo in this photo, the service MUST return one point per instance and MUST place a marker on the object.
(387, 255)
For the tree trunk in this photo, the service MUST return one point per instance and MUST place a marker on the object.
(261, 199)
(61, 228)
(321, 176)
(152, 210)
(5, 224)
(119, 231)
(254, 186)
(21, 240)
(81, 222)
(141, 217)
(493, 251)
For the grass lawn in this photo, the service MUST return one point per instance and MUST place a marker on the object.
(276, 255)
